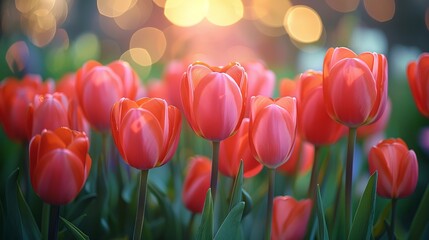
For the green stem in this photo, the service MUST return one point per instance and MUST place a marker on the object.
(349, 176)
(138, 227)
(314, 173)
(392, 221)
(53, 222)
(215, 160)
(271, 182)
(45, 221)
(190, 226)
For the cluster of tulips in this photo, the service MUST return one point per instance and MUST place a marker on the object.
(252, 136)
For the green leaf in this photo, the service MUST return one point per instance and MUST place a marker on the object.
(20, 220)
(236, 190)
(205, 230)
(421, 217)
(231, 224)
(245, 196)
(323, 230)
(364, 218)
(77, 233)
(380, 225)
(174, 227)
(79, 205)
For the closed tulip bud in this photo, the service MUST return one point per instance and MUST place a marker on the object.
(290, 218)
(418, 78)
(196, 183)
(49, 111)
(354, 86)
(214, 99)
(59, 164)
(146, 132)
(236, 148)
(397, 168)
(272, 129)
(314, 122)
(15, 97)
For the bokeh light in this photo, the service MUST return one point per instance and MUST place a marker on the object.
(303, 24)
(270, 12)
(186, 13)
(225, 12)
(151, 40)
(85, 47)
(17, 55)
(114, 8)
(344, 6)
(139, 59)
(427, 18)
(136, 16)
(380, 10)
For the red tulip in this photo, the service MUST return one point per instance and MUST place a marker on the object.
(315, 124)
(15, 96)
(260, 81)
(214, 99)
(272, 129)
(354, 86)
(377, 126)
(236, 148)
(196, 184)
(146, 132)
(290, 218)
(67, 85)
(397, 168)
(301, 160)
(99, 87)
(49, 111)
(59, 164)
(418, 78)
(288, 87)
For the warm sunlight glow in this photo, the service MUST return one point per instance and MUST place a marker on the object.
(151, 40)
(271, 12)
(114, 8)
(225, 12)
(186, 13)
(380, 10)
(136, 16)
(303, 24)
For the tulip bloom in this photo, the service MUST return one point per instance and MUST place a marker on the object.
(99, 87)
(214, 99)
(236, 148)
(397, 168)
(196, 183)
(418, 78)
(354, 86)
(272, 129)
(315, 124)
(146, 132)
(260, 81)
(15, 96)
(301, 160)
(59, 164)
(290, 218)
(49, 111)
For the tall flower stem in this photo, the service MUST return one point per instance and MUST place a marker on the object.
(215, 160)
(349, 175)
(54, 218)
(314, 173)
(392, 221)
(138, 227)
(268, 220)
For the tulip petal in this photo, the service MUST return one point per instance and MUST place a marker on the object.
(142, 138)
(175, 123)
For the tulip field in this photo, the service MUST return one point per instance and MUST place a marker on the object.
(209, 147)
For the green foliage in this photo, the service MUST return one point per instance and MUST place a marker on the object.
(323, 230)
(205, 231)
(77, 233)
(421, 219)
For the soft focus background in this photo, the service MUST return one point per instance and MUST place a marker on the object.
(53, 37)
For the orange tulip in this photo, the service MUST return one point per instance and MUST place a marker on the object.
(290, 218)
(272, 129)
(397, 168)
(418, 78)
(15, 96)
(59, 164)
(99, 87)
(354, 86)
(49, 111)
(315, 124)
(196, 183)
(288, 87)
(214, 98)
(236, 148)
(260, 81)
(146, 132)
(301, 160)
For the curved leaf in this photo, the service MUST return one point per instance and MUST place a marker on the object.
(231, 225)
(323, 230)
(421, 219)
(236, 191)
(77, 233)
(205, 231)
